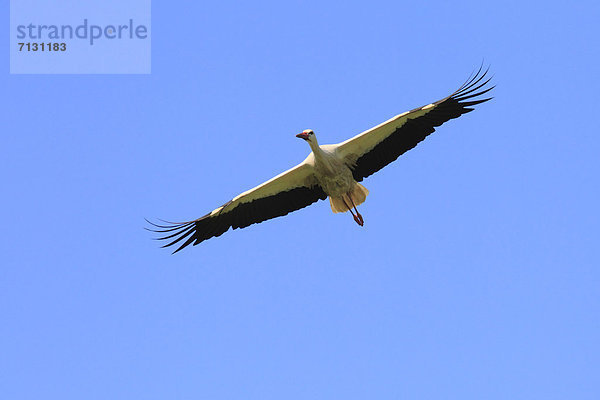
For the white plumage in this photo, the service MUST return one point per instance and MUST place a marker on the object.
(332, 171)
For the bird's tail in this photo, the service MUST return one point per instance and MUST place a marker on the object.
(359, 194)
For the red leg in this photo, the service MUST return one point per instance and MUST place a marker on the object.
(362, 221)
(357, 218)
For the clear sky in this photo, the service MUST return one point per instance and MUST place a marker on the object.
(476, 274)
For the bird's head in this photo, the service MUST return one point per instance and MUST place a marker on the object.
(307, 135)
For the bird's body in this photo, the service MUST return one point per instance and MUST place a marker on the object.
(334, 175)
(332, 171)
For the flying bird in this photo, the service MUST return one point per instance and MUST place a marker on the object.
(333, 170)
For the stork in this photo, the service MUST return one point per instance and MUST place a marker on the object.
(333, 171)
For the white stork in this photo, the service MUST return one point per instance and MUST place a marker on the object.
(329, 170)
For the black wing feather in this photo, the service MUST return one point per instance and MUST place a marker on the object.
(243, 215)
(415, 130)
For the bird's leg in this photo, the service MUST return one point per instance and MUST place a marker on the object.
(347, 206)
(357, 219)
(362, 221)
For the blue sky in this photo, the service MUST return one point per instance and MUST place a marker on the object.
(475, 275)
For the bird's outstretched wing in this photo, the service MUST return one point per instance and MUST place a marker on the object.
(289, 191)
(375, 148)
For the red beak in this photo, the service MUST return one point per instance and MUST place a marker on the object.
(302, 136)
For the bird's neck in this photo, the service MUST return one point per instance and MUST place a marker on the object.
(314, 146)
(321, 158)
